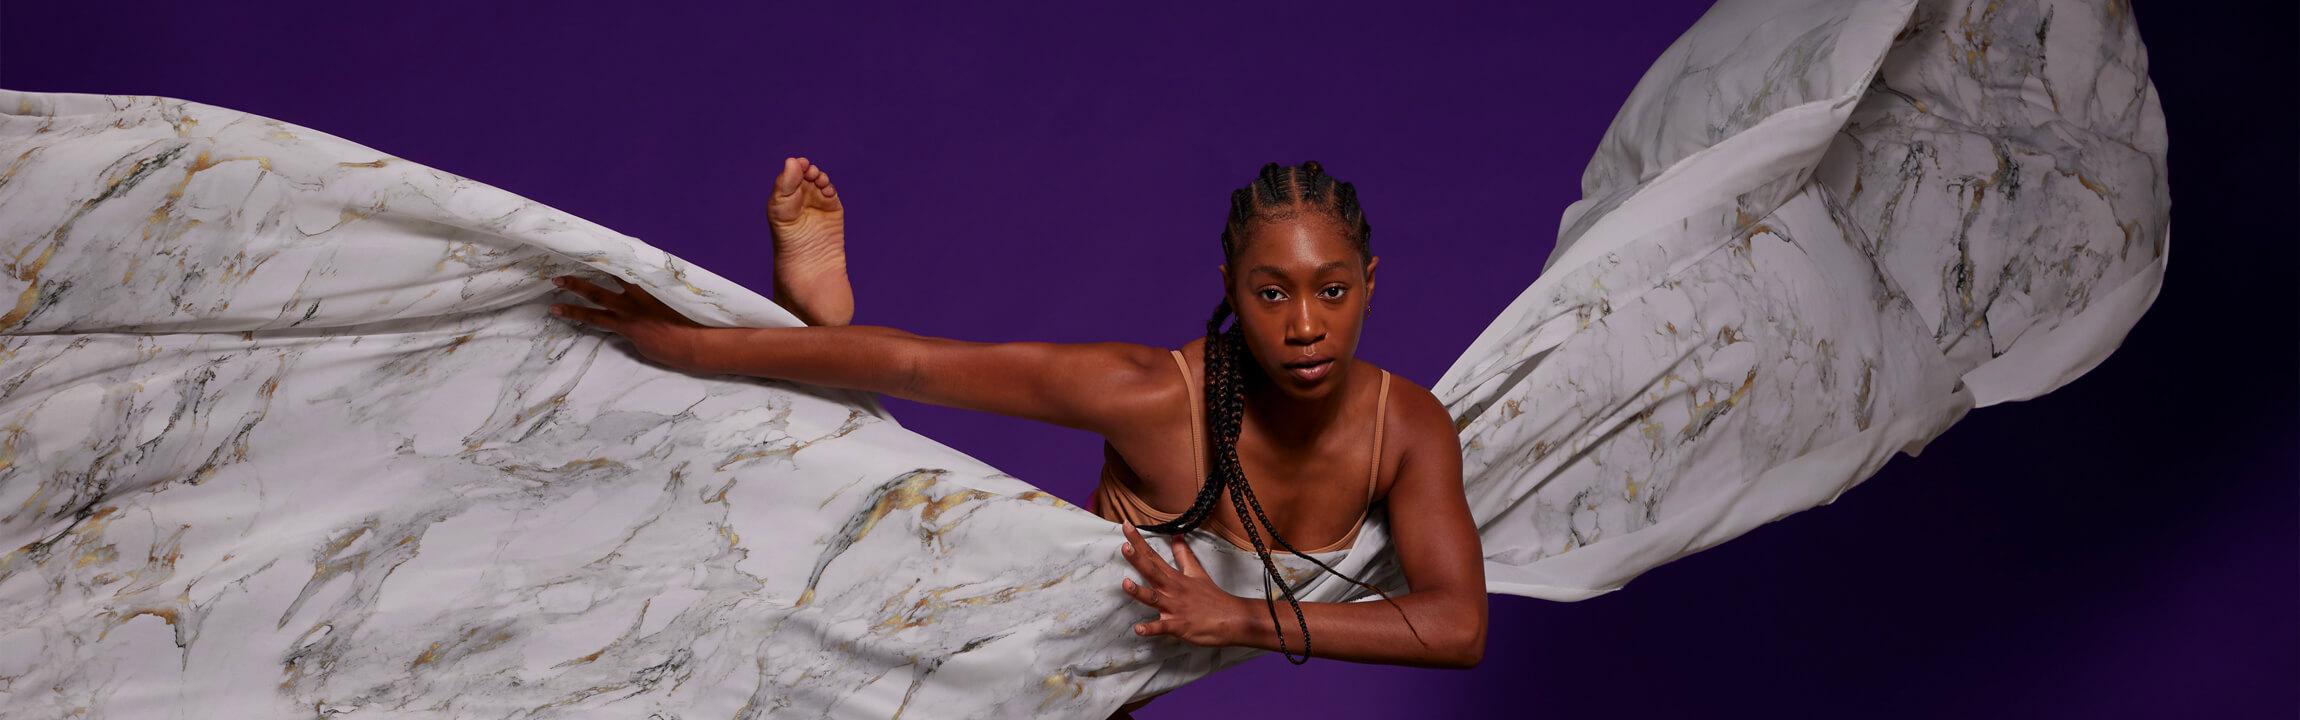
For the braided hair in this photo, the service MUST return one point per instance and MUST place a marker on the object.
(1277, 193)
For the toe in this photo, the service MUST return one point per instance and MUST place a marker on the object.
(787, 181)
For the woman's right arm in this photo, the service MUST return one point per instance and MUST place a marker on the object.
(1088, 386)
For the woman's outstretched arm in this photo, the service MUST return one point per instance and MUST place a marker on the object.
(1440, 623)
(1088, 386)
(1096, 387)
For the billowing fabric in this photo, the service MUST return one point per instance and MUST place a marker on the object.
(1817, 233)
(285, 430)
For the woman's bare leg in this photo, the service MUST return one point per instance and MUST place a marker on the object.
(809, 225)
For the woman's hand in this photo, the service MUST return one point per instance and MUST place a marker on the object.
(1190, 606)
(660, 333)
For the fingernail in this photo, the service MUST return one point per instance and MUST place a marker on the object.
(556, 310)
(1128, 549)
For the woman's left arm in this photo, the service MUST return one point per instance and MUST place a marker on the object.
(1437, 546)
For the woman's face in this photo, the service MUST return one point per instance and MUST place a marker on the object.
(1300, 293)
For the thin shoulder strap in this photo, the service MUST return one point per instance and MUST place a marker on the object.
(1381, 408)
(1190, 399)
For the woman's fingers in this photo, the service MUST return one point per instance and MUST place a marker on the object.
(639, 294)
(1146, 596)
(1147, 563)
(1184, 560)
(1138, 554)
(599, 296)
(1154, 627)
(588, 316)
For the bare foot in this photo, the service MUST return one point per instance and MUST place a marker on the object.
(810, 227)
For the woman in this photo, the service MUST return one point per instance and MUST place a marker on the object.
(1291, 405)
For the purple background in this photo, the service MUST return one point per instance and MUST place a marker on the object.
(2123, 547)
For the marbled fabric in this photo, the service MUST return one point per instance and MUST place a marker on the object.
(285, 431)
(1817, 234)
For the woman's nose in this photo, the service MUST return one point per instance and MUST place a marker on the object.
(1303, 326)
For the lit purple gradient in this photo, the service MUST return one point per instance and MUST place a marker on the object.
(2123, 547)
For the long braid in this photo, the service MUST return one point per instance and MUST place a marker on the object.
(1273, 194)
(1216, 344)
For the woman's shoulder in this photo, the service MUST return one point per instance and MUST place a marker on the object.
(1415, 422)
(1194, 349)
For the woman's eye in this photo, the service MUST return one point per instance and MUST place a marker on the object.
(1267, 292)
(1337, 292)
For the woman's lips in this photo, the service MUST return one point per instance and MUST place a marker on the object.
(1311, 373)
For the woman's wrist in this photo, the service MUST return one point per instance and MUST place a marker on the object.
(853, 357)
(1238, 626)
(707, 349)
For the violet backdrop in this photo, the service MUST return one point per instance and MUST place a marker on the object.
(2126, 546)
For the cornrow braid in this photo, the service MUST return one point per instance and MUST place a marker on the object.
(1271, 186)
(1314, 183)
(1277, 192)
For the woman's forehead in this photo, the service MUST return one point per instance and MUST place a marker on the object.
(1301, 244)
(1281, 271)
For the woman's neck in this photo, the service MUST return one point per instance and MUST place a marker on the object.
(1292, 423)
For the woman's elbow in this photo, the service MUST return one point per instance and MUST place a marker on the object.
(1467, 651)
(1463, 639)
(1457, 648)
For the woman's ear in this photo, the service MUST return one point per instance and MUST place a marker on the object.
(1225, 268)
(1370, 263)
